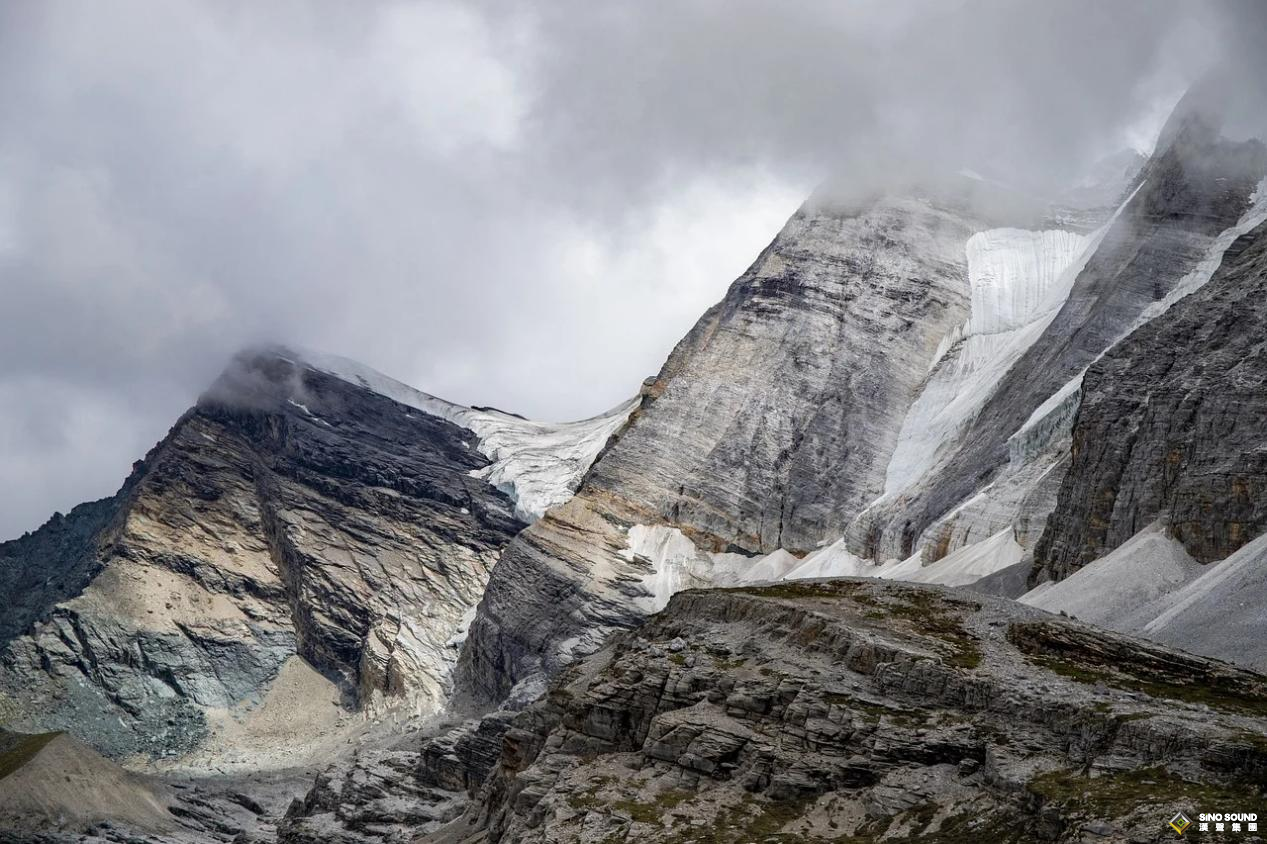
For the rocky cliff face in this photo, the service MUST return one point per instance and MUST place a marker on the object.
(770, 425)
(296, 542)
(1170, 427)
(1162, 243)
(864, 711)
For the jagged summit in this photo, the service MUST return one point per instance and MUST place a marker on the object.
(311, 529)
(538, 464)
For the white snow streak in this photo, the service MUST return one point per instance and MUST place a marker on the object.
(1018, 281)
(673, 563)
(539, 465)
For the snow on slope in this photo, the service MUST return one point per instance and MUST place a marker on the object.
(674, 563)
(1061, 406)
(1018, 281)
(1199, 275)
(539, 465)
(1121, 590)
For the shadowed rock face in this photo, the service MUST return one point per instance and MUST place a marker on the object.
(852, 709)
(770, 425)
(1171, 426)
(1197, 186)
(288, 513)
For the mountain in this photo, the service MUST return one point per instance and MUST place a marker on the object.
(330, 608)
(769, 427)
(305, 545)
(1194, 195)
(892, 382)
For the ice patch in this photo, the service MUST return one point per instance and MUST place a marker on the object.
(1197, 278)
(1018, 281)
(1060, 408)
(539, 465)
(314, 417)
(674, 563)
(670, 562)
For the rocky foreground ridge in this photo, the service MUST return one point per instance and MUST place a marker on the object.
(290, 528)
(858, 710)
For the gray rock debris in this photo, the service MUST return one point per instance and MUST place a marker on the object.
(856, 709)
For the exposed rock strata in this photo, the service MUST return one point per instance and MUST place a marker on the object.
(859, 710)
(393, 790)
(770, 425)
(1171, 427)
(289, 513)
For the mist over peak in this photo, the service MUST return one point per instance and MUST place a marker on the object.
(470, 195)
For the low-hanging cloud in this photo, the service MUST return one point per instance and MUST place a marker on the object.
(503, 204)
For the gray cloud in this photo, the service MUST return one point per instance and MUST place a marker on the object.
(503, 204)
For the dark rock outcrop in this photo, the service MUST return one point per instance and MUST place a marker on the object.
(862, 710)
(1171, 427)
(289, 516)
(395, 789)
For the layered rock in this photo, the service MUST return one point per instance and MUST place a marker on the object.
(1171, 426)
(770, 426)
(397, 787)
(1160, 245)
(864, 711)
(297, 546)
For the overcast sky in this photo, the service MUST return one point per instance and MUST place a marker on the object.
(515, 204)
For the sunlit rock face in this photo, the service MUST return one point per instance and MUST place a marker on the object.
(289, 515)
(771, 425)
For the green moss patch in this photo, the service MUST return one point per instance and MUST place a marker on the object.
(1090, 657)
(1115, 795)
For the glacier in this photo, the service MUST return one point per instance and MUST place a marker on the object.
(1018, 280)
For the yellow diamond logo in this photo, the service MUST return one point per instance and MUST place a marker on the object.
(1180, 822)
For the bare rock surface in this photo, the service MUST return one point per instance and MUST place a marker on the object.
(1171, 427)
(769, 426)
(865, 711)
(298, 549)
